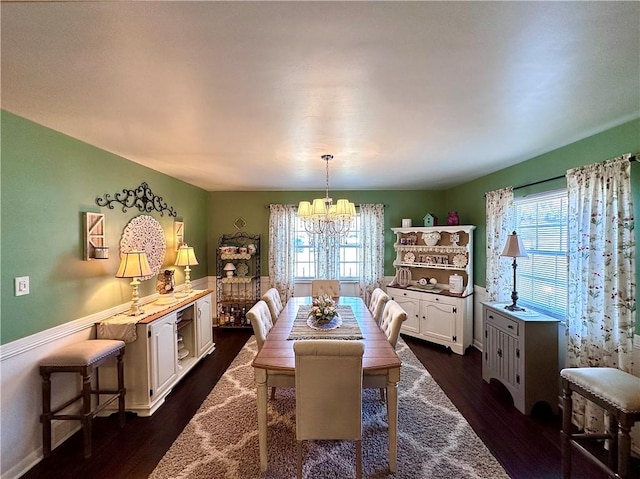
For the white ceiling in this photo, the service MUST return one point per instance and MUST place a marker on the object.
(249, 95)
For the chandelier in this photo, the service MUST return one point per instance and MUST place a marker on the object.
(323, 217)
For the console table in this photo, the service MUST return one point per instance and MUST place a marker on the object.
(162, 345)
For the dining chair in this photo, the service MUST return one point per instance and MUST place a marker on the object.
(272, 298)
(325, 286)
(260, 318)
(328, 383)
(378, 301)
(392, 318)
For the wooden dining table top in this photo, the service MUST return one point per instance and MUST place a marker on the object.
(277, 351)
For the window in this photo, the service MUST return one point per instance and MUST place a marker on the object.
(348, 258)
(541, 222)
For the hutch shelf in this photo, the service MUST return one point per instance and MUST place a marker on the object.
(434, 283)
(238, 278)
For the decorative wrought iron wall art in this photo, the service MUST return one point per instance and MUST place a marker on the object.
(141, 197)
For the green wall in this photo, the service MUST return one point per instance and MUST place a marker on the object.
(226, 206)
(48, 181)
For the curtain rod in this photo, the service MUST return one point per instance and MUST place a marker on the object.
(635, 157)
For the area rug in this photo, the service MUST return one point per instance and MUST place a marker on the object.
(221, 441)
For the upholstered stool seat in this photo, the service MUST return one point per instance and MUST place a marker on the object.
(615, 391)
(83, 358)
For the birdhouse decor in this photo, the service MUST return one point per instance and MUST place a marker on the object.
(430, 219)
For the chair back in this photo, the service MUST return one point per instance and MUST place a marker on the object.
(272, 298)
(325, 286)
(392, 318)
(328, 389)
(378, 301)
(260, 318)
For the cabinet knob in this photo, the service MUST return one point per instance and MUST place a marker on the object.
(491, 316)
(509, 326)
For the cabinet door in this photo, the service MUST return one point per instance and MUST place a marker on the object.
(204, 334)
(438, 321)
(163, 353)
(410, 305)
(502, 355)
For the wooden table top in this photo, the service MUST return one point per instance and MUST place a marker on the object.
(277, 351)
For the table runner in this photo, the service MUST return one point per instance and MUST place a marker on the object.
(349, 330)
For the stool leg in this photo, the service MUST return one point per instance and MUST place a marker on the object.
(624, 446)
(121, 389)
(613, 442)
(46, 413)
(86, 411)
(567, 411)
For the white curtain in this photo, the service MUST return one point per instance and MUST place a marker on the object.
(601, 283)
(499, 207)
(327, 256)
(282, 221)
(372, 249)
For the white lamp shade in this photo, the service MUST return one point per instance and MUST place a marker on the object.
(134, 264)
(304, 209)
(186, 256)
(229, 267)
(319, 207)
(514, 247)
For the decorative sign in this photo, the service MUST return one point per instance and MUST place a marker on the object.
(142, 198)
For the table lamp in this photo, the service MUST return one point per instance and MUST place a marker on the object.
(514, 249)
(229, 268)
(134, 264)
(186, 257)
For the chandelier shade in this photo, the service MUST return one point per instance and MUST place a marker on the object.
(322, 216)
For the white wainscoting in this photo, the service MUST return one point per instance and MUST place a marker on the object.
(21, 389)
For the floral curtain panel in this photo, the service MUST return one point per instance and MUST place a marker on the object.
(372, 250)
(499, 208)
(601, 283)
(282, 221)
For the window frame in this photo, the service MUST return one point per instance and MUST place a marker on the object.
(343, 262)
(545, 270)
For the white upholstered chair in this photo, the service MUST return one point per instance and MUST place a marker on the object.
(325, 286)
(392, 318)
(329, 393)
(272, 298)
(260, 318)
(378, 301)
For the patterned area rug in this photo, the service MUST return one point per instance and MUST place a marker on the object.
(221, 441)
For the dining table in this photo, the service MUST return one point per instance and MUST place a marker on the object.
(277, 355)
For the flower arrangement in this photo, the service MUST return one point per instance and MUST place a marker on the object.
(323, 309)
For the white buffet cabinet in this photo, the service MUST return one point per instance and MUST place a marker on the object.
(168, 344)
(437, 318)
(426, 258)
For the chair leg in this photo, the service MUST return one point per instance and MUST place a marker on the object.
(273, 393)
(382, 394)
(299, 465)
(359, 459)
(565, 436)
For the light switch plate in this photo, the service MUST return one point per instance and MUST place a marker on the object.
(22, 285)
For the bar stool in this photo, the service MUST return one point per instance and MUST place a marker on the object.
(83, 358)
(618, 393)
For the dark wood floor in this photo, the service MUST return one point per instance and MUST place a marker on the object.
(527, 446)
